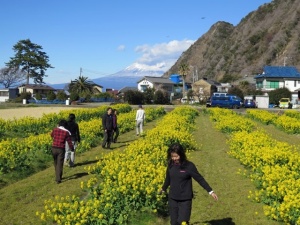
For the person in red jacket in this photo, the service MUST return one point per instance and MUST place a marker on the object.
(179, 176)
(60, 136)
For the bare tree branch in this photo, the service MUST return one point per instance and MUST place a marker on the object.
(11, 76)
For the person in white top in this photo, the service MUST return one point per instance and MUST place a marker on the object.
(140, 117)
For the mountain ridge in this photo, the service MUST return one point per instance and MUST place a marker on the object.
(266, 36)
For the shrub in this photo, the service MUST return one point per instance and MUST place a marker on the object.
(74, 96)
(61, 95)
(51, 96)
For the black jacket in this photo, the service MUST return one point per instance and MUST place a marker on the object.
(107, 122)
(179, 178)
(74, 130)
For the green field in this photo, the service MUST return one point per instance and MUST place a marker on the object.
(20, 200)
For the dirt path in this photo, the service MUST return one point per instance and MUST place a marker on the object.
(34, 112)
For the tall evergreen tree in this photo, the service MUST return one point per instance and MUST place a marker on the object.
(30, 58)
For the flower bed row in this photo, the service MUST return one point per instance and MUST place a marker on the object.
(274, 168)
(126, 181)
(27, 126)
(288, 122)
(18, 155)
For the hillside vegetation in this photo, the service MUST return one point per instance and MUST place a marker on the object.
(267, 36)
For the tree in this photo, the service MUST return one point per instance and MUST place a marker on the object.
(190, 95)
(134, 97)
(61, 95)
(236, 91)
(276, 95)
(11, 76)
(30, 58)
(149, 95)
(183, 71)
(161, 97)
(202, 93)
(82, 86)
(51, 96)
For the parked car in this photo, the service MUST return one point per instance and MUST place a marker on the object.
(250, 103)
(284, 103)
(228, 101)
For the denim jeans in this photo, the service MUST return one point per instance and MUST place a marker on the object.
(69, 155)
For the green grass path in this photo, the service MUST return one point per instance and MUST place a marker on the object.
(221, 172)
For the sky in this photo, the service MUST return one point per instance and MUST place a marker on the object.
(104, 37)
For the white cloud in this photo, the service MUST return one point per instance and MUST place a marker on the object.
(161, 56)
(121, 48)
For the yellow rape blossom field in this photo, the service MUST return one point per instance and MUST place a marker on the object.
(256, 180)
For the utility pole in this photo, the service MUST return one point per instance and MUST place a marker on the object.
(80, 71)
(194, 78)
(285, 58)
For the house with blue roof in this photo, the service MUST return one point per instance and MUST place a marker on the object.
(274, 77)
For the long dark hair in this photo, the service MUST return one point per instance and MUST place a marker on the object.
(176, 148)
(71, 117)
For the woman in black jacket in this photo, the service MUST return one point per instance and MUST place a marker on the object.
(179, 176)
(73, 128)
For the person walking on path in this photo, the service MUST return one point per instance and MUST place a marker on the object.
(140, 118)
(60, 136)
(115, 125)
(107, 124)
(179, 176)
(73, 127)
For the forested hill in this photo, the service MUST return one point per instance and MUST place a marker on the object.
(267, 36)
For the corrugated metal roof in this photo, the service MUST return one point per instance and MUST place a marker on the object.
(279, 72)
(38, 86)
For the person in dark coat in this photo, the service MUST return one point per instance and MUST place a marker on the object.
(115, 126)
(107, 125)
(179, 176)
(73, 127)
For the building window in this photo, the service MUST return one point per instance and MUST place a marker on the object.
(4, 93)
(259, 84)
(272, 84)
(144, 87)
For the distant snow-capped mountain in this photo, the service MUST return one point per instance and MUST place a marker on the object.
(124, 78)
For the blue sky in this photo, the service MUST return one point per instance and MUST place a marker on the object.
(104, 37)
